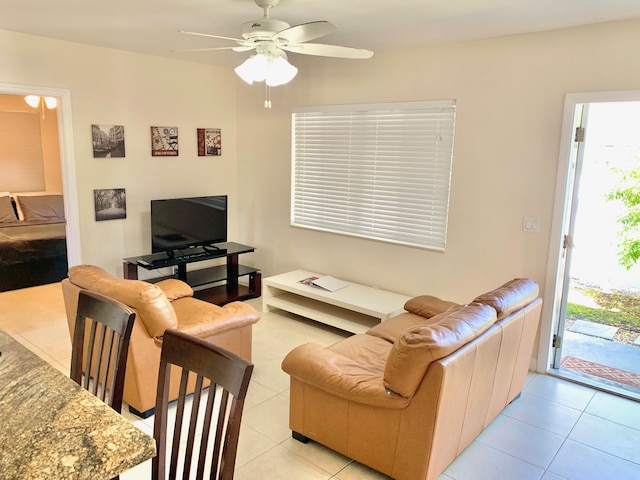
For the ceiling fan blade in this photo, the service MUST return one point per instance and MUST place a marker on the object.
(241, 41)
(243, 48)
(235, 49)
(305, 31)
(321, 50)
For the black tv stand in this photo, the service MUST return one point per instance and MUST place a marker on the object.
(220, 282)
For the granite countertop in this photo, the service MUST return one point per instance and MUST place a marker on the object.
(54, 429)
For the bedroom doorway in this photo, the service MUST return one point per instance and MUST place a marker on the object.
(596, 337)
(67, 158)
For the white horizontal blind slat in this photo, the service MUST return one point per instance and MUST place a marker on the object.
(380, 171)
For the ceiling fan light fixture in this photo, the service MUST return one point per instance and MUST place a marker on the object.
(254, 69)
(50, 102)
(280, 72)
(275, 69)
(32, 100)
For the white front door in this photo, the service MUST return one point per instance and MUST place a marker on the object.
(604, 137)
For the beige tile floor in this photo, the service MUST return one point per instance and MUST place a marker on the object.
(556, 430)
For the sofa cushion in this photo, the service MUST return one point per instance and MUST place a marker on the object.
(150, 303)
(416, 348)
(511, 296)
(392, 328)
(428, 306)
(369, 352)
(352, 379)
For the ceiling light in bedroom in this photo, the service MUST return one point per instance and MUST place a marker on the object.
(34, 100)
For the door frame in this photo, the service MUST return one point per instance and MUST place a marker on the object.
(561, 211)
(576, 158)
(67, 160)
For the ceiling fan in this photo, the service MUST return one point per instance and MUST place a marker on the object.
(271, 39)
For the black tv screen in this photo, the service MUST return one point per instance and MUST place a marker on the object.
(178, 223)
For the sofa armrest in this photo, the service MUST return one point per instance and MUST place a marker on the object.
(175, 289)
(203, 319)
(338, 375)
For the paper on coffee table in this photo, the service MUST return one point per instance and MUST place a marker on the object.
(326, 283)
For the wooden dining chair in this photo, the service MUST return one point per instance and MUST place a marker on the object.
(204, 437)
(100, 346)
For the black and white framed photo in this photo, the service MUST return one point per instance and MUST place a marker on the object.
(164, 141)
(209, 142)
(110, 204)
(107, 141)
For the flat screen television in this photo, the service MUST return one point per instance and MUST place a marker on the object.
(179, 223)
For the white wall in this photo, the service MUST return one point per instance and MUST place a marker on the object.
(138, 91)
(510, 94)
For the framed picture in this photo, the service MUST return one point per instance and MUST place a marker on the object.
(209, 142)
(110, 204)
(164, 141)
(107, 140)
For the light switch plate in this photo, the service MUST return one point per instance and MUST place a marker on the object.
(531, 225)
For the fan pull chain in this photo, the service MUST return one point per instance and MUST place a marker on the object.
(267, 96)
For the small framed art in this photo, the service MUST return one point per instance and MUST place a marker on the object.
(164, 141)
(110, 204)
(209, 142)
(108, 141)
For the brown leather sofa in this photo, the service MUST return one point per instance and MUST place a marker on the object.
(409, 395)
(159, 306)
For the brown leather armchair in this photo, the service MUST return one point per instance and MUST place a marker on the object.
(168, 304)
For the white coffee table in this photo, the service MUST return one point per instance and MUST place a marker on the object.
(355, 308)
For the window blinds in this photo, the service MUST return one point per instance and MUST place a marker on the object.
(21, 152)
(375, 171)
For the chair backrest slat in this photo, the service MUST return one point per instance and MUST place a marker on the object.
(90, 355)
(177, 429)
(102, 369)
(217, 375)
(191, 436)
(206, 432)
(222, 428)
(101, 345)
(111, 355)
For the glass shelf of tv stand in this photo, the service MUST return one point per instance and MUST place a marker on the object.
(207, 276)
(188, 255)
(221, 281)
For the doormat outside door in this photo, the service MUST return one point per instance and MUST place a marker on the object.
(602, 371)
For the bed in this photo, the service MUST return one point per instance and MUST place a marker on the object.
(33, 246)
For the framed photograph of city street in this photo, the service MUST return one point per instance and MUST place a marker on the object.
(107, 141)
(164, 141)
(110, 204)
(209, 142)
